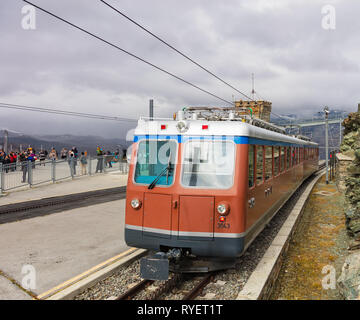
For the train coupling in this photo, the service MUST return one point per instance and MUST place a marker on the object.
(156, 266)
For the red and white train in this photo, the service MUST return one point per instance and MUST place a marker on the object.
(206, 183)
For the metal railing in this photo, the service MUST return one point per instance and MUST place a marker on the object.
(16, 175)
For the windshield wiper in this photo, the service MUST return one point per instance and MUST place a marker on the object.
(166, 169)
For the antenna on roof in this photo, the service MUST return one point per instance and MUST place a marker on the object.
(253, 87)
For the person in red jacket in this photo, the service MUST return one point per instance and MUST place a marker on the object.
(12, 161)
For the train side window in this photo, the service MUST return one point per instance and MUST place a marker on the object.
(251, 165)
(268, 162)
(282, 164)
(276, 161)
(293, 152)
(293, 158)
(297, 155)
(259, 164)
(288, 155)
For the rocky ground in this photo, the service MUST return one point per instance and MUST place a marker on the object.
(351, 147)
(349, 281)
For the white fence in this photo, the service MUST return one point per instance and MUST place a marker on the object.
(16, 175)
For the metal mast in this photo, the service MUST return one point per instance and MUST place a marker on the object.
(326, 111)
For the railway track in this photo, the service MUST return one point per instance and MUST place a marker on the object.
(46, 206)
(175, 281)
(129, 294)
(199, 287)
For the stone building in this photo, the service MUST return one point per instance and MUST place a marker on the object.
(260, 109)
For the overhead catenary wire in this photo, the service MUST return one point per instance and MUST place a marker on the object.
(176, 50)
(64, 112)
(127, 52)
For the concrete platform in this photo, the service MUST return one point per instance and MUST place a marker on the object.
(10, 291)
(62, 245)
(78, 185)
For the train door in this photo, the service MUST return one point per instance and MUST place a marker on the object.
(157, 214)
(196, 217)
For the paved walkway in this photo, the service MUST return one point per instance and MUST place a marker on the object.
(78, 185)
(61, 245)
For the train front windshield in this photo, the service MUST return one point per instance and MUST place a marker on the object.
(153, 157)
(208, 164)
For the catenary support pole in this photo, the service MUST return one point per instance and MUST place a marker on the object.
(151, 109)
(340, 133)
(326, 110)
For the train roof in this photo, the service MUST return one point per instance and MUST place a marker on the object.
(200, 127)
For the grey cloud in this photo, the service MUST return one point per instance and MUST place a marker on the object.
(297, 64)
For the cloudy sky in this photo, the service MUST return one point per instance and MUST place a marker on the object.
(298, 65)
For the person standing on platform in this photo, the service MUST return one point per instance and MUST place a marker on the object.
(99, 165)
(72, 163)
(52, 154)
(63, 153)
(24, 165)
(42, 157)
(31, 157)
(83, 163)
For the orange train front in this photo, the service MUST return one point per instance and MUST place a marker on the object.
(204, 185)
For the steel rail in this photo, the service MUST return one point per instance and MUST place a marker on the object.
(128, 295)
(197, 290)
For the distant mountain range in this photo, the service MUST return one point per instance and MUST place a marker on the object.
(82, 143)
(89, 143)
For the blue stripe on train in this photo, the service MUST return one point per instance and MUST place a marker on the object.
(236, 139)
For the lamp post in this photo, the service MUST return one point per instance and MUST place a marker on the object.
(326, 111)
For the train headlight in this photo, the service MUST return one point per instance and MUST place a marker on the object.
(135, 203)
(223, 208)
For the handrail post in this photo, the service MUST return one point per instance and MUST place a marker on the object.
(53, 170)
(72, 167)
(2, 179)
(89, 159)
(30, 173)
